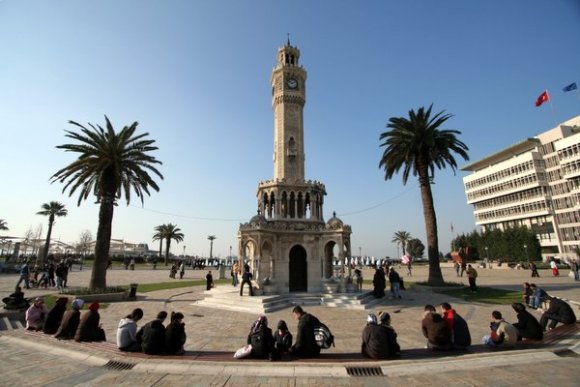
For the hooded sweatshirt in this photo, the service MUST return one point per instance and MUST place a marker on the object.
(126, 332)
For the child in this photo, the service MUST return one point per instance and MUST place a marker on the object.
(283, 338)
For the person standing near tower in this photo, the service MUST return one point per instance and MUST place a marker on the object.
(246, 279)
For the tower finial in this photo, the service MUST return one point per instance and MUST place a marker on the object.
(288, 39)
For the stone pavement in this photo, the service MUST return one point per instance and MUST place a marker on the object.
(30, 363)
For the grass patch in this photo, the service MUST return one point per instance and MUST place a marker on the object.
(443, 285)
(50, 301)
(485, 295)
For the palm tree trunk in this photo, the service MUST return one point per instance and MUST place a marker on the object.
(435, 275)
(160, 247)
(47, 243)
(99, 273)
(167, 245)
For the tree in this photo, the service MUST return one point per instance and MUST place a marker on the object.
(401, 238)
(415, 248)
(110, 165)
(417, 145)
(160, 236)
(51, 210)
(172, 232)
(3, 225)
(85, 239)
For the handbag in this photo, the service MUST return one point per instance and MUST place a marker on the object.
(243, 352)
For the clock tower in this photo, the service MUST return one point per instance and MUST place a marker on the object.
(288, 245)
(288, 97)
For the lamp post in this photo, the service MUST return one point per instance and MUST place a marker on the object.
(211, 238)
(526, 252)
(184, 251)
(231, 262)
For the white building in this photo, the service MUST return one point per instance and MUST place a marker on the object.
(533, 183)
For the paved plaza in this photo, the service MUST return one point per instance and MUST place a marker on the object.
(209, 329)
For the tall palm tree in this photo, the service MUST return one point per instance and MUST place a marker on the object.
(51, 210)
(172, 232)
(3, 225)
(417, 145)
(109, 165)
(402, 238)
(160, 236)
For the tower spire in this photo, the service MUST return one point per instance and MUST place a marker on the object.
(288, 39)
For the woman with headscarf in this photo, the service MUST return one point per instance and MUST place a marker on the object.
(70, 321)
(89, 326)
(35, 315)
(528, 327)
(261, 339)
(384, 321)
(175, 335)
(54, 316)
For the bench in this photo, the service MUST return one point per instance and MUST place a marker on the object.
(551, 339)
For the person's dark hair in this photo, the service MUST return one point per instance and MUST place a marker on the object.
(532, 285)
(282, 325)
(527, 284)
(176, 316)
(446, 306)
(429, 308)
(298, 309)
(162, 315)
(136, 314)
(518, 307)
(496, 315)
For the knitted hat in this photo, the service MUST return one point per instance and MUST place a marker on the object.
(62, 301)
(372, 319)
(94, 306)
(77, 303)
(384, 317)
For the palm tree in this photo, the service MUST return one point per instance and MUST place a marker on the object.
(3, 225)
(402, 238)
(172, 232)
(417, 145)
(160, 236)
(110, 165)
(51, 210)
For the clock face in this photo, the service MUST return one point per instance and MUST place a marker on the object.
(292, 83)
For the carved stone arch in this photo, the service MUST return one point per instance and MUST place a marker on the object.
(284, 205)
(292, 205)
(329, 257)
(300, 205)
(251, 253)
(297, 269)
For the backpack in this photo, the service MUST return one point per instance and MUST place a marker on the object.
(323, 336)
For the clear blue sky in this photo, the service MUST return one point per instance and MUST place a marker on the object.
(195, 75)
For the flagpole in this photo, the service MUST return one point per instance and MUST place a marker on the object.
(551, 107)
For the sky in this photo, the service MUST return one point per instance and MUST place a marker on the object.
(195, 75)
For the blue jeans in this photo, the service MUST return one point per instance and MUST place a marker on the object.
(24, 277)
(396, 289)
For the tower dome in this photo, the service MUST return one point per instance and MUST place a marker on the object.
(334, 222)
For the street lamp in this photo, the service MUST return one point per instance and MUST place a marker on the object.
(211, 238)
(231, 262)
(526, 250)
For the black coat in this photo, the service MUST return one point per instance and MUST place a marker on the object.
(53, 319)
(379, 283)
(152, 337)
(461, 335)
(306, 345)
(69, 324)
(262, 343)
(379, 342)
(562, 310)
(88, 329)
(528, 327)
(175, 337)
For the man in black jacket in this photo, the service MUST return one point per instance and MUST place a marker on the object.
(152, 335)
(305, 345)
(528, 327)
(559, 312)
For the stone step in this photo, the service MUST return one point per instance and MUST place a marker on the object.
(11, 322)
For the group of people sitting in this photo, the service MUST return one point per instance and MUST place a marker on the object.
(153, 338)
(66, 324)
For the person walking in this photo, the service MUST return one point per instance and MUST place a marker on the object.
(181, 269)
(534, 270)
(472, 277)
(24, 275)
(235, 270)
